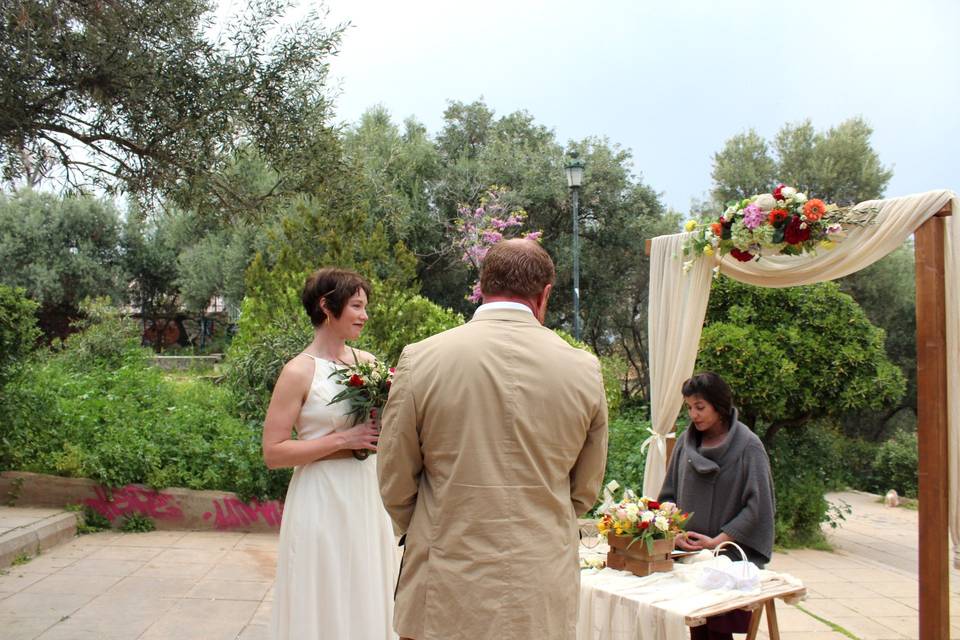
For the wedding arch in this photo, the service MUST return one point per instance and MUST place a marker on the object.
(678, 305)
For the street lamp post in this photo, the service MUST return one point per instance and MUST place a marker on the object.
(574, 179)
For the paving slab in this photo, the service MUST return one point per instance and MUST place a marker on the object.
(206, 585)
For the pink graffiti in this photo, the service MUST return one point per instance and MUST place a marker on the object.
(134, 499)
(230, 513)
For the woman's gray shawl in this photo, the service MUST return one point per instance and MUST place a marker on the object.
(727, 488)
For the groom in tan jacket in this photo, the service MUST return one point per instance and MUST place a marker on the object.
(494, 441)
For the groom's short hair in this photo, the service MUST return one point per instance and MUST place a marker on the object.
(516, 267)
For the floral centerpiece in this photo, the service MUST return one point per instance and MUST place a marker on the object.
(640, 531)
(366, 386)
(785, 222)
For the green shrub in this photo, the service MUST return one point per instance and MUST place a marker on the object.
(137, 523)
(625, 462)
(895, 465)
(106, 338)
(857, 470)
(805, 463)
(131, 424)
(18, 329)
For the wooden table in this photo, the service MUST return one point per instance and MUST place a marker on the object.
(627, 592)
(756, 602)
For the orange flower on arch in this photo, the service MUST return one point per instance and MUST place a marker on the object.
(777, 216)
(814, 209)
(717, 228)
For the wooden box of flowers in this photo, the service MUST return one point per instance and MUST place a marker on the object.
(640, 531)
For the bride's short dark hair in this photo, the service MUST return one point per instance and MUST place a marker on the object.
(334, 285)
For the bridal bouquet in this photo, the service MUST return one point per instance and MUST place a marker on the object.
(784, 222)
(366, 386)
(643, 519)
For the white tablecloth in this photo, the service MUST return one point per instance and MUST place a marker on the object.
(616, 605)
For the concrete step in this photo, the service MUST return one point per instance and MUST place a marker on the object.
(29, 530)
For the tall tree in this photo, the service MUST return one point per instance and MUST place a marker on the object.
(742, 168)
(60, 250)
(133, 95)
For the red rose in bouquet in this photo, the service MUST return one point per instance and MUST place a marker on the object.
(742, 256)
(796, 232)
(366, 386)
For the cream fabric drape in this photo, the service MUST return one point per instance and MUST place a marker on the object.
(676, 319)
(677, 305)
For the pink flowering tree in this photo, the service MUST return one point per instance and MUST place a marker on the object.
(476, 229)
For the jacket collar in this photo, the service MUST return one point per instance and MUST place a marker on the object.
(715, 457)
(510, 315)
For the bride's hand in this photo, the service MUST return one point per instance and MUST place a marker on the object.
(687, 542)
(362, 436)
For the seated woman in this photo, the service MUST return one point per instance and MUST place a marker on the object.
(720, 473)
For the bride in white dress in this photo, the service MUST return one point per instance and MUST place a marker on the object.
(336, 561)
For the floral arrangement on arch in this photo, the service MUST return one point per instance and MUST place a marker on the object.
(476, 229)
(785, 222)
(643, 519)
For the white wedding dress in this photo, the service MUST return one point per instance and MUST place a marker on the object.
(337, 556)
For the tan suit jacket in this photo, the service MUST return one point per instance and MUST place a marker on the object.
(494, 440)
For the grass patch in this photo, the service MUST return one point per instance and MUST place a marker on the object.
(22, 558)
(833, 626)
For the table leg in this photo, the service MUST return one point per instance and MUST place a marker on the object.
(754, 623)
(772, 628)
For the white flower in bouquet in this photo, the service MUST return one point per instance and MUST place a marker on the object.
(633, 512)
(730, 212)
(765, 201)
(647, 516)
(799, 197)
(661, 522)
(788, 192)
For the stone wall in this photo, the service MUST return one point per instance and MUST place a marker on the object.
(168, 508)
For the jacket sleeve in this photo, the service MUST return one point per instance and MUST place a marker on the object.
(669, 488)
(754, 524)
(399, 458)
(587, 473)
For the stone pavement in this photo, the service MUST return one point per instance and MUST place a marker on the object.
(208, 586)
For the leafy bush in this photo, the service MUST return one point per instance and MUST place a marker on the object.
(857, 470)
(105, 337)
(805, 463)
(137, 523)
(625, 462)
(130, 424)
(895, 465)
(18, 329)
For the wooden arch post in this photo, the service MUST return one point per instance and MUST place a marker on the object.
(932, 431)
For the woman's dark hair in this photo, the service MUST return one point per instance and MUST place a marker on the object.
(713, 389)
(336, 286)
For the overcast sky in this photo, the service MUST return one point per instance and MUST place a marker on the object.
(671, 80)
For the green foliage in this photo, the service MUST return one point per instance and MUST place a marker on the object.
(805, 463)
(148, 102)
(477, 148)
(399, 318)
(797, 353)
(896, 464)
(89, 520)
(742, 168)
(625, 462)
(137, 523)
(106, 338)
(886, 292)
(61, 250)
(18, 329)
(839, 165)
(129, 423)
